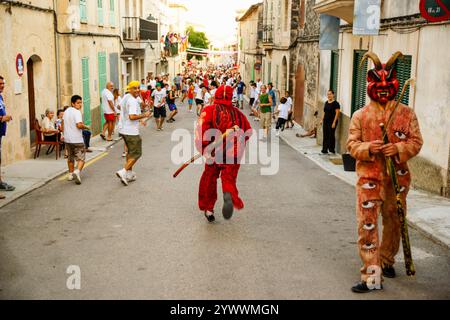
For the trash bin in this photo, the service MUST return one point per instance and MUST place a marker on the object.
(349, 162)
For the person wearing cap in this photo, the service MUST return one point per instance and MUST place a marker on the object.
(224, 161)
(130, 116)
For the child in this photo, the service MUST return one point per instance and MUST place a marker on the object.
(283, 114)
(290, 122)
(190, 96)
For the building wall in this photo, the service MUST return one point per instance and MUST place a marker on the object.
(34, 41)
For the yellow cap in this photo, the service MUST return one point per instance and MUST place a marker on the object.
(133, 84)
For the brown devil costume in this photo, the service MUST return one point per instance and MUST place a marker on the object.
(375, 191)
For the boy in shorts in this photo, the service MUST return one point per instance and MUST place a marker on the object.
(159, 106)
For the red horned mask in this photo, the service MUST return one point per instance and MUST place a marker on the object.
(383, 84)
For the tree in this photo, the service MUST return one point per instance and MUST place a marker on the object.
(197, 40)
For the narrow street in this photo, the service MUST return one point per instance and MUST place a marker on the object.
(295, 239)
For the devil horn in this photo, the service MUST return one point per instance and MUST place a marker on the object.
(374, 58)
(393, 59)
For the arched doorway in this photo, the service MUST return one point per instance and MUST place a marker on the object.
(284, 77)
(299, 94)
(32, 67)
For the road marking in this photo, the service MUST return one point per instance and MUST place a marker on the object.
(87, 164)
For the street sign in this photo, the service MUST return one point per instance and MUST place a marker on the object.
(20, 68)
(435, 10)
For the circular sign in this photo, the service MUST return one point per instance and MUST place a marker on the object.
(257, 66)
(20, 67)
(435, 10)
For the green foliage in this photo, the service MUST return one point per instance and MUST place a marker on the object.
(197, 40)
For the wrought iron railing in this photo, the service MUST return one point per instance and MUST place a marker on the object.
(138, 29)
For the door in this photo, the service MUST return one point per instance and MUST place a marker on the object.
(102, 78)
(299, 94)
(86, 92)
(31, 101)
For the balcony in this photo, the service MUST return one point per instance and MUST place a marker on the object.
(338, 8)
(170, 50)
(137, 32)
(267, 37)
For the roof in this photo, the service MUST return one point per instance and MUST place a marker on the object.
(250, 11)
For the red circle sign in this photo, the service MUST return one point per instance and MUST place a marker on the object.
(20, 66)
(435, 10)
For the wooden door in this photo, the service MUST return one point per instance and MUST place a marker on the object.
(31, 101)
(299, 94)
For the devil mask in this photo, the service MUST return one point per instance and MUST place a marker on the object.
(383, 84)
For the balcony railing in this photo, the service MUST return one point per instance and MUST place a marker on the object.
(138, 29)
(268, 34)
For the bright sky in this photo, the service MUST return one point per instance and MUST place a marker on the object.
(218, 16)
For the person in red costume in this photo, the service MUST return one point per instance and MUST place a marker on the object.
(224, 161)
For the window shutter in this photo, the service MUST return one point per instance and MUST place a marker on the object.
(100, 12)
(359, 87)
(403, 66)
(86, 91)
(112, 14)
(83, 11)
(334, 72)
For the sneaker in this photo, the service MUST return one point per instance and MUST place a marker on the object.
(70, 177)
(124, 155)
(76, 177)
(122, 175)
(227, 210)
(389, 271)
(361, 287)
(210, 217)
(88, 150)
(131, 176)
(278, 133)
(6, 187)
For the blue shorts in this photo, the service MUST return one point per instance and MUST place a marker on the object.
(172, 107)
(190, 101)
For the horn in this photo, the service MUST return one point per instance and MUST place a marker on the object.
(374, 58)
(393, 59)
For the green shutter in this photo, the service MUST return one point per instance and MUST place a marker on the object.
(359, 87)
(86, 91)
(100, 12)
(276, 77)
(83, 11)
(112, 14)
(334, 72)
(403, 66)
(102, 77)
(269, 73)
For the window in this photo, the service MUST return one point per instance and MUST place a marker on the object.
(403, 66)
(302, 14)
(102, 76)
(83, 11)
(359, 81)
(286, 14)
(112, 14)
(100, 12)
(334, 72)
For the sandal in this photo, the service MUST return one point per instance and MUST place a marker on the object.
(102, 136)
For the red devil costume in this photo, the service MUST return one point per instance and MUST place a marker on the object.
(375, 189)
(225, 160)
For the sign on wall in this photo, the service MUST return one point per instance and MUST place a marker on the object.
(435, 10)
(329, 32)
(366, 19)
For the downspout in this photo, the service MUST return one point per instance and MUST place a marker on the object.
(57, 55)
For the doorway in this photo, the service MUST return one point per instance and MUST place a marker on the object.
(299, 94)
(31, 69)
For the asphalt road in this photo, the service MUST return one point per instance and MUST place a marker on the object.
(295, 239)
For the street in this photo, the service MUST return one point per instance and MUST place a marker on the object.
(295, 238)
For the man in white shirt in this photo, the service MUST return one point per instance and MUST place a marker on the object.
(73, 127)
(259, 84)
(130, 117)
(108, 111)
(159, 106)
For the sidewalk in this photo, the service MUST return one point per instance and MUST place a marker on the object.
(28, 175)
(427, 213)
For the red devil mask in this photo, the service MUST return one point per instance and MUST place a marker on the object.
(224, 96)
(383, 84)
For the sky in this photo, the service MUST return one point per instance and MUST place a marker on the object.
(218, 17)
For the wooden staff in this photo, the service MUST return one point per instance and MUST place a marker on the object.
(213, 145)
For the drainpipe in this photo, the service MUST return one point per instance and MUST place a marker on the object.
(58, 73)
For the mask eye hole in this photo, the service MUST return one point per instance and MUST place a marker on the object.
(369, 226)
(368, 205)
(400, 135)
(373, 75)
(402, 172)
(368, 246)
(369, 186)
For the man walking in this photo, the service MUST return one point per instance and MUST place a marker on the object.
(240, 92)
(108, 111)
(73, 127)
(4, 119)
(130, 117)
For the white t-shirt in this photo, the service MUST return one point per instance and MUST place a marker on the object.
(152, 84)
(107, 96)
(72, 134)
(199, 94)
(213, 93)
(289, 103)
(130, 127)
(158, 97)
(252, 93)
(117, 104)
(207, 97)
(258, 85)
(284, 111)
